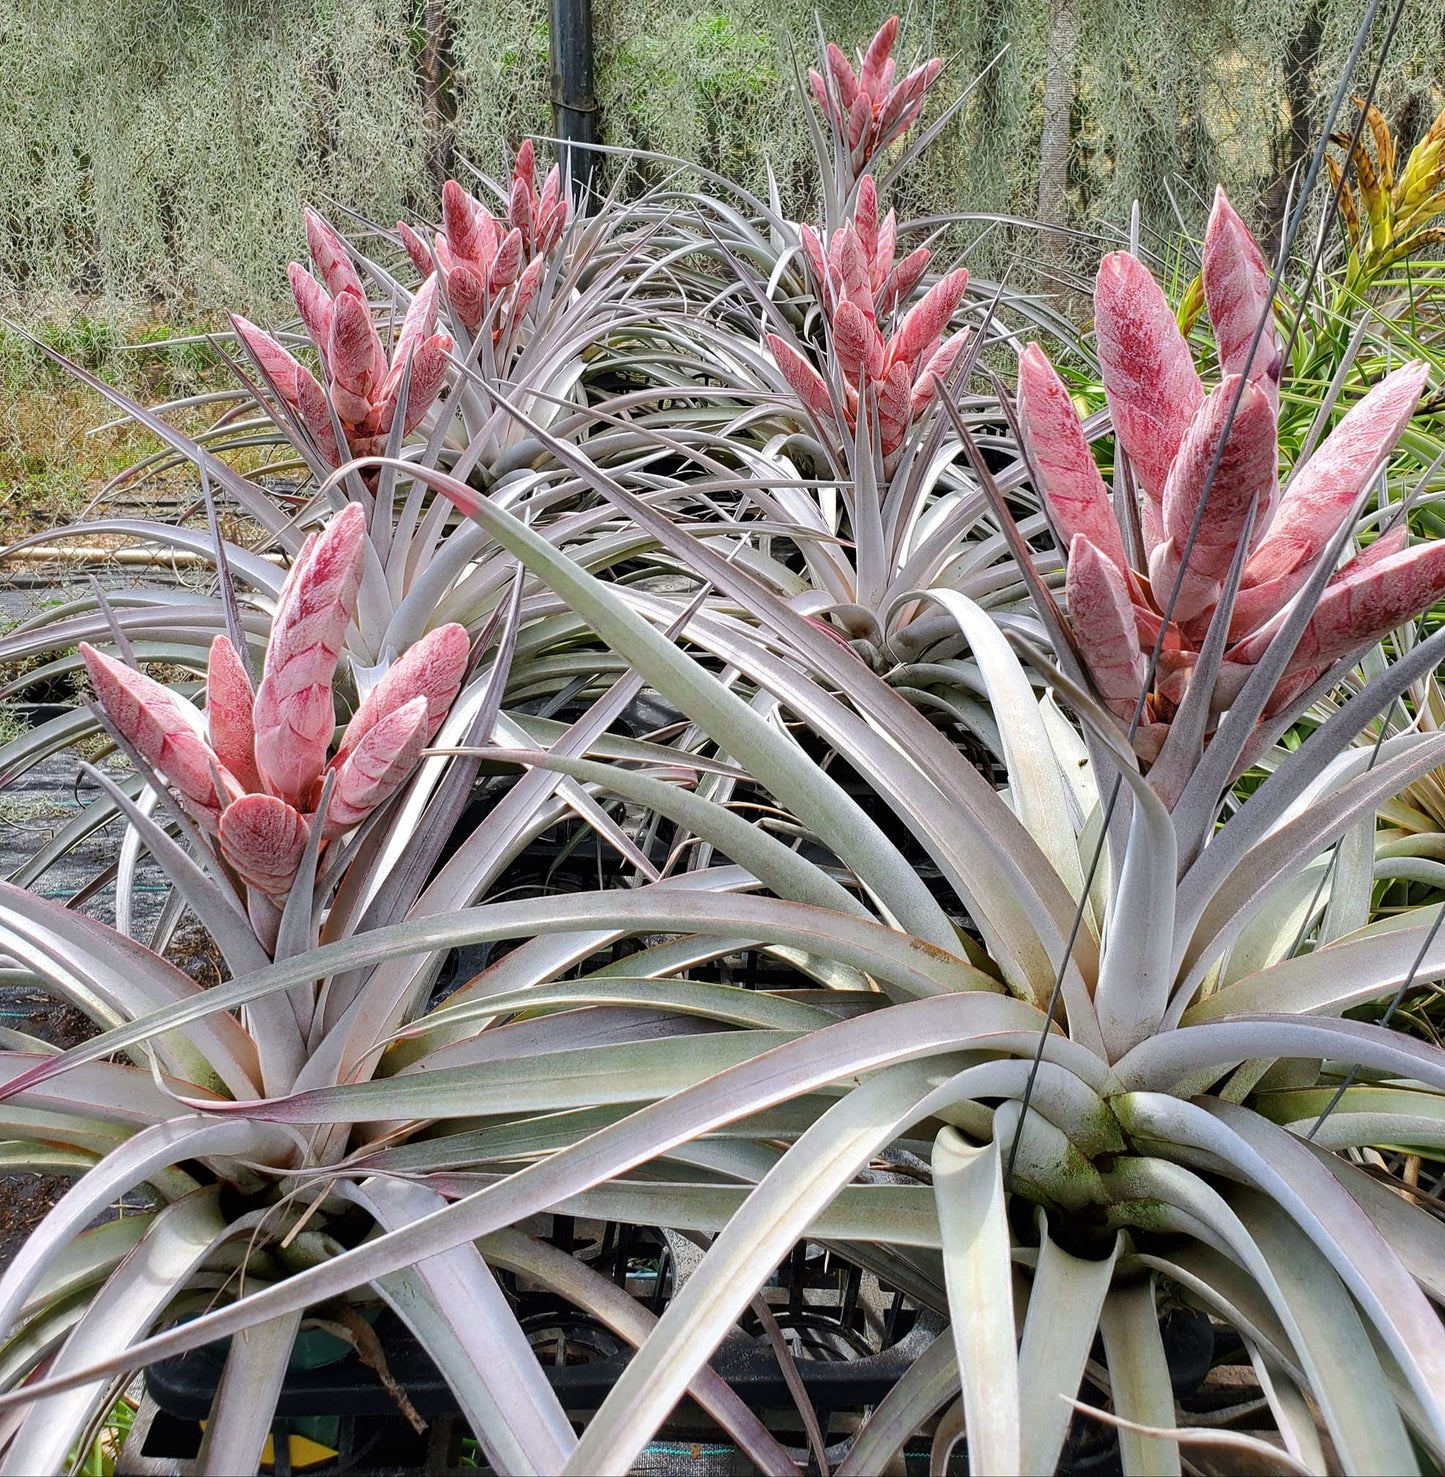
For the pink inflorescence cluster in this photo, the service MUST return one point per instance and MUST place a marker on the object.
(1171, 431)
(363, 383)
(868, 108)
(252, 774)
(859, 284)
(483, 259)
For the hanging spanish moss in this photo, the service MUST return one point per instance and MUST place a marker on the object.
(202, 126)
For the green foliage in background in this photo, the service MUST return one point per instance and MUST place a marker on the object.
(158, 150)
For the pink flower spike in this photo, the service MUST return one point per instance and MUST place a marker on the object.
(524, 168)
(155, 722)
(420, 320)
(355, 359)
(315, 413)
(905, 101)
(1366, 600)
(860, 116)
(1152, 386)
(471, 233)
(312, 303)
(805, 381)
(1262, 601)
(467, 294)
(293, 713)
(263, 838)
(896, 397)
(904, 278)
(229, 699)
(551, 196)
(1104, 627)
(883, 250)
(870, 75)
(812, 250)
(846, 253)
(527, 285)
(331, 258)
(926, 320)
(416, 249)
(429, 360)
(843, 76)
(551, 218)
(865, 222)
(1236, 289)
(519, 213)
(936, 368)
(275, 361)
(507, 263)
(428, 372)
(857, 343)
(369, 774)
(1384, 547)
(1074, 492)
(1244, 479)
(820, 91)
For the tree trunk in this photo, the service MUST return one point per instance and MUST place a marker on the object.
(439, 104)
(1058, 107)
(1292, 147)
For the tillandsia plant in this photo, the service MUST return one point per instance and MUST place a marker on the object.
(1136, 1142)
(1216, 554)
(896, 508)
(1111, 1085)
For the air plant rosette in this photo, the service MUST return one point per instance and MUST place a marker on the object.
(1111, 1071)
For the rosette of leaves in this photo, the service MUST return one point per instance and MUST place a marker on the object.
(1151, 1144)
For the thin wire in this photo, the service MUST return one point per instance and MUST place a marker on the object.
(1385, 1019)
(1286, 247)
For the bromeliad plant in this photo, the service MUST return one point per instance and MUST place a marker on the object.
(1150, 1146)
(1388, 216)
(1113, 1070)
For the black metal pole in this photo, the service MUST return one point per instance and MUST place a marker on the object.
(574, 105)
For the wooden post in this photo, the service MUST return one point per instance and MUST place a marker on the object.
(574, 104)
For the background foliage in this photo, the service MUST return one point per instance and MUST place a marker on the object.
(158, 149)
